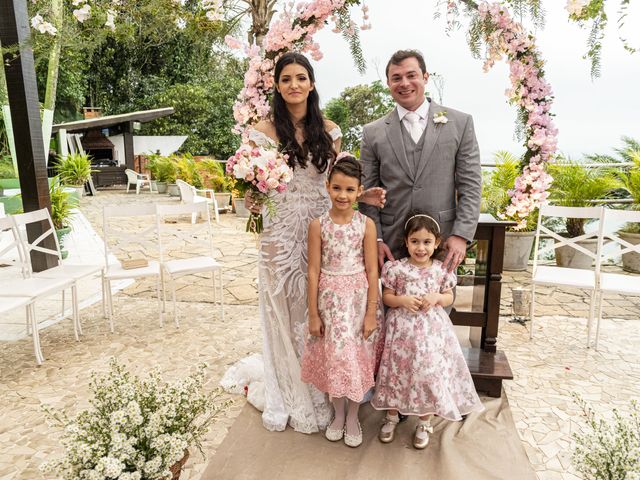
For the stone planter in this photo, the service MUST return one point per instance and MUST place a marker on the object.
(173, 190)
(223, 199)
(630, 260)
(161, 186)
(517, 250)
(76, 191)
(572, 258)
(241, 210)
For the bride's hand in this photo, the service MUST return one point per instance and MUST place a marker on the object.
(375, 196)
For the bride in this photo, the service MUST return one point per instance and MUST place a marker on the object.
(297, 127)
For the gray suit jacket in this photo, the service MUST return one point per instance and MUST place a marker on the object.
(447, 183)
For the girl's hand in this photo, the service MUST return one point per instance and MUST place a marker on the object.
(430, 300)
(411, 303)
(375, 196)
(316, 327)
(370, 324)
(252, 204)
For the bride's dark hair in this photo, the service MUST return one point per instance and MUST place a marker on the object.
(316, 139)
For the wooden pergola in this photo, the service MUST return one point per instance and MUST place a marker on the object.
(123, 122)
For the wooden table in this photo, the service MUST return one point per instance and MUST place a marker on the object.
(488, 365)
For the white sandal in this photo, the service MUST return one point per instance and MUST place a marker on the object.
(333, 434)
(353, 440)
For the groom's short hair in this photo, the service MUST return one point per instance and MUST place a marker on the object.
(401, 55)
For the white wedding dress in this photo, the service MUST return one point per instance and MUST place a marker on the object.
(282, 277)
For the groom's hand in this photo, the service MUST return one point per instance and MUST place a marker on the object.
(383, 252)
(456, 248)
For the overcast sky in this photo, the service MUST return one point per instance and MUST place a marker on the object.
(590, 115)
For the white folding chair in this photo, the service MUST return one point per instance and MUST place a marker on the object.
(19, 292)
(142, 237)
(195, 245)
(561, 276)
(137, 179)
(65, 271)
(616, 282)
(190, 194)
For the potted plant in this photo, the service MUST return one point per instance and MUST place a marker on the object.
(62, 204)
(163, 170)
(495, 199)
(135, 428)
(172, 175)
(606, 446)
(577, 185)
(214, 178)
(74, 171)
(630, 232)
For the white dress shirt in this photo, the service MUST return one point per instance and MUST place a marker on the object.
(422, 111)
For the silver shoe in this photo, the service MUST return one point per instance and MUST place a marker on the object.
(421, 437)
(353, 440)
(387, 437)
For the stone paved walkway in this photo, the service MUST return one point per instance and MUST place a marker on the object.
(548, 369)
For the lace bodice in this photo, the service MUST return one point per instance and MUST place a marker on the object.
(342, 247)
(305, 199)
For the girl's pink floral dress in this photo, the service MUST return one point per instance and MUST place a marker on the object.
(422, 370)
(342, 362)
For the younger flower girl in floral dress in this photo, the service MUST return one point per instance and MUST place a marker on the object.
(422, 371)
(340, 355)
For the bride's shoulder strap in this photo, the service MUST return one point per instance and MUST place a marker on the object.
(333, 129)
(258, 136)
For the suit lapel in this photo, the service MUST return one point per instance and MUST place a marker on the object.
(431, 137)
(394, 134)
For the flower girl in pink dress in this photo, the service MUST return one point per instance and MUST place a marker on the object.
(422, 371)
(340, 355)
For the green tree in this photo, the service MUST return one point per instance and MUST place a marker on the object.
(357, 106)
(203, 110)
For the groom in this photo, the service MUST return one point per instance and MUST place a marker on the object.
(426, 157)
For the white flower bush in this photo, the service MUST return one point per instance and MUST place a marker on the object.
(136, 429)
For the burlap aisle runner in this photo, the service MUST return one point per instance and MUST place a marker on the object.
(484, 446)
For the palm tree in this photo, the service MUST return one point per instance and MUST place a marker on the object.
(260, 11)
(576, 184)
(625, 153)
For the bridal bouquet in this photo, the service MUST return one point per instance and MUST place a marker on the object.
(262, 171)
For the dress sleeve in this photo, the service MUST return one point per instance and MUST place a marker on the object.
(259, 138)
(335, 133)
(449, 280)
(389, 275)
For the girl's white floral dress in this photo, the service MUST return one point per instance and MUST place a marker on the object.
(342, 362)
(422, 370)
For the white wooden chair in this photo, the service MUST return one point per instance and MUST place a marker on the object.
(190, 194)
(195, 247)
(143, 238)
(25, 292)
(137, 179)
(616, 282)
(561, 276)
(62, 270)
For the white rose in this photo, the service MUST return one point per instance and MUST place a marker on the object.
(272, 183)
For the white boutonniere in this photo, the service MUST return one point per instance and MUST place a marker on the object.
(440, 117)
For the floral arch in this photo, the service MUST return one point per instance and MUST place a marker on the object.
(504, 38)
